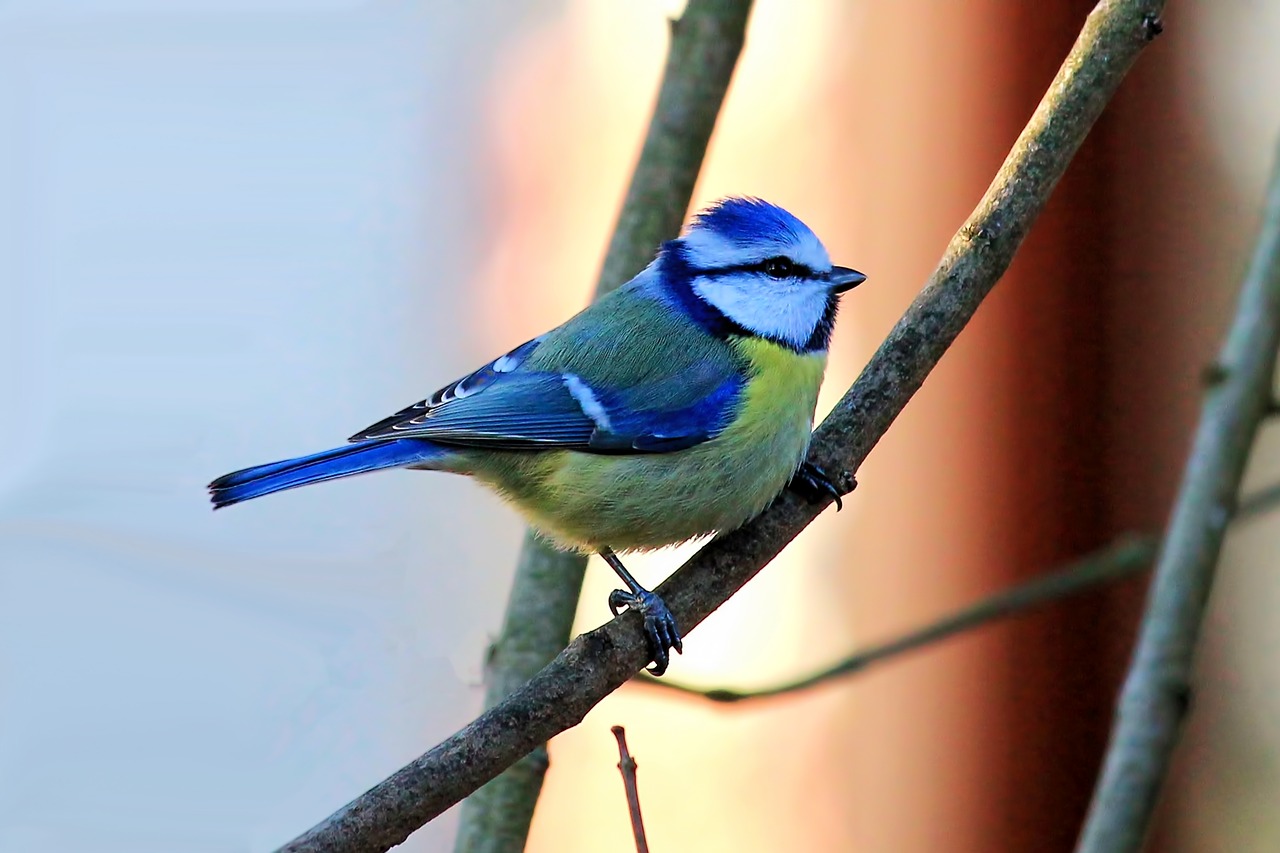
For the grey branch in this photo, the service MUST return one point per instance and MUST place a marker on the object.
(627, 767)
(1125, 558)
(1153, 702)
(598, 662)
(705, 44)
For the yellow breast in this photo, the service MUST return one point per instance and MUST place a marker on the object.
(641, 501)
(783, 388)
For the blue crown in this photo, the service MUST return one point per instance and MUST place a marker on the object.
(745, 220)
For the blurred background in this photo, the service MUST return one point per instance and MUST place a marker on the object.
(232, 232)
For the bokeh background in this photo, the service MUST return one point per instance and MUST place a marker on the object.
(236, 231)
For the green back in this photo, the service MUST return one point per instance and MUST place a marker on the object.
(631, 341)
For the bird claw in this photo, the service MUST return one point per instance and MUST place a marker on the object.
(659, 624)
(813, 484)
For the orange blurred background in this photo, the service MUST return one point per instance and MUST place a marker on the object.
(1058, 421)
(233, 231)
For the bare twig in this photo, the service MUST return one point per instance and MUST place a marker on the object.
(598, 662)
(1126, 558)
(1259, 502)
(705, 44)
(1153, 702)
(627, 767)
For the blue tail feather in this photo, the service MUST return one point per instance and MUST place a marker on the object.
(344, 461)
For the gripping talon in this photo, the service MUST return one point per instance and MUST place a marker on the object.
(812, 483)
(660, 628)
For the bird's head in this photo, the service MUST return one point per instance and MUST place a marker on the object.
(751, 267)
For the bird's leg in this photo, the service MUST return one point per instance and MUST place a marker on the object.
(813, 484)
(659, 625)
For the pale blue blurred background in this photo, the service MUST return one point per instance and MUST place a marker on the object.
(234, 231)
(230, 232)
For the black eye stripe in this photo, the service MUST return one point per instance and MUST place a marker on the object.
(773, 267)
(677, 277)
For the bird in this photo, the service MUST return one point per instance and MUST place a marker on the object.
(678, 406)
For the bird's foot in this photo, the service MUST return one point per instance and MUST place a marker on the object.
(813, 484)
(659, 624)
(660, 627)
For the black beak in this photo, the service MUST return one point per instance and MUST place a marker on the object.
(843, 278)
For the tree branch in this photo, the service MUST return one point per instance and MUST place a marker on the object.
(705, 44)
(597, 663)
(1259, 502)
(1125, 558)
(1157, 690)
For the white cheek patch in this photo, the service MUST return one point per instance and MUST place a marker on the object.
(784, 310)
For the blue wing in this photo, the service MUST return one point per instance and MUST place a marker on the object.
(502, 406)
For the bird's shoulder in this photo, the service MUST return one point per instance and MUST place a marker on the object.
(634, 339)
(625, 375)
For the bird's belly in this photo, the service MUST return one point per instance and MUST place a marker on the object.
(627, 503)
(632, 503)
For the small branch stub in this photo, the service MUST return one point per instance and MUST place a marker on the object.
(627, 767)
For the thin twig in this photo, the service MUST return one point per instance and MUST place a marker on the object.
(1125, 558)
(705, 44)
(598, 662)
(1258, 502)
(1154, 700)
(627, 767)
(1129, 556)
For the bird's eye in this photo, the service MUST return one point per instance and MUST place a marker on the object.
(779, 268)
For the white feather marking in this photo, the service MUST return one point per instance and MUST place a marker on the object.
(789, 310)
(709, 250)
(588, 400)
(506, 364)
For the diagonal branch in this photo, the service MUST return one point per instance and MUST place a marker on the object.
(705, 43)
(1156, 693)
(597, 663)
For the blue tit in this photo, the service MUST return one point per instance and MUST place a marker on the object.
(677, 406)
